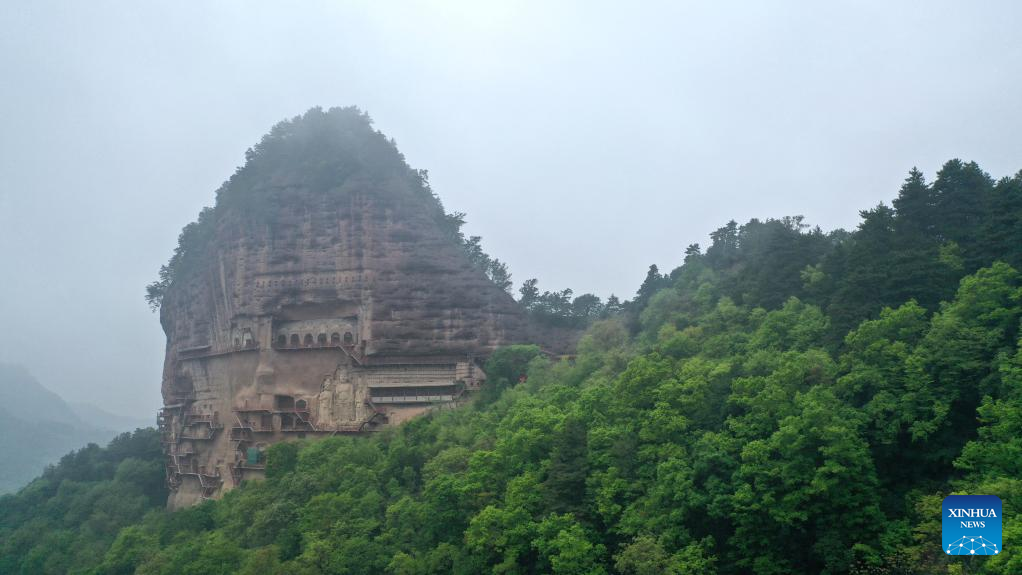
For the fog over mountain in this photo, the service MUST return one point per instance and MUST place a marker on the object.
(37, 427)
(544, 122)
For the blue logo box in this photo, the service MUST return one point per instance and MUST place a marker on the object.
(971, 525)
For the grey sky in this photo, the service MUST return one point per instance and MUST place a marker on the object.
(585, 140)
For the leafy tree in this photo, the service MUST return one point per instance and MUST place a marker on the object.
(67, 519)
(789, 401)
(653, 283)
(916, 206)
(528, 293)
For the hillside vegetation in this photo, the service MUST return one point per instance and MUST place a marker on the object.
(788, 401)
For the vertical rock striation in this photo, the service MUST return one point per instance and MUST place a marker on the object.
(327, 292)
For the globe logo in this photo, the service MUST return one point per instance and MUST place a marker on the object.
(972, 546)
(971, 525)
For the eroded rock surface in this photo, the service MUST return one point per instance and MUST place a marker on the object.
(322, 295)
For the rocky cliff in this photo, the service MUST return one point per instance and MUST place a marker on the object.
(327, 292)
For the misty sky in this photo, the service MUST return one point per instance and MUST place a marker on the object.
(584, 140)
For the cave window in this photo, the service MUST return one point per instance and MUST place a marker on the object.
(348, 338)
(335, 338)
(321, 339)
(295, 340)
(308, 340)
(301, 405)
(281, 340)
(285, 402)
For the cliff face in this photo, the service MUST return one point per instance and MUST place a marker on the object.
(322, 295)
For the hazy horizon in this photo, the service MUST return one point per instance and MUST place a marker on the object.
(585, 141)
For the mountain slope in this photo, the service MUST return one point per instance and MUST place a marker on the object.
(36, 428)
(21, 393)
(99, 418)
(725, 423)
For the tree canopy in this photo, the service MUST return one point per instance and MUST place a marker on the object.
(788, 401)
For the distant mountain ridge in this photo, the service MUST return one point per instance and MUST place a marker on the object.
(37, 427)
(101, 419)
(20, 392)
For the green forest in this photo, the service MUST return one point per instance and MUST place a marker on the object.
(786, 400)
